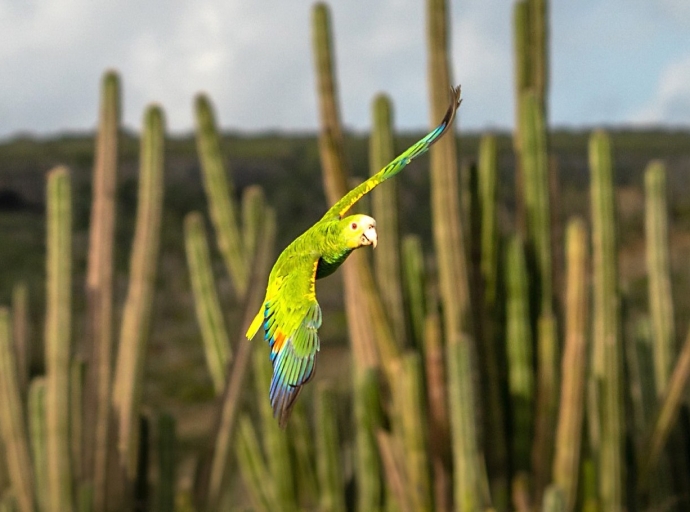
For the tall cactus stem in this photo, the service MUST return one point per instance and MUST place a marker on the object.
(384, 207)
(20, 333)
(658, 269)
(566, 466)
(12, 420)
(207, 305)
(221, 195)
(328, 463)
(368, 419)
(57, 339)
(97, 409)
(138, 305)
(166, 463)
(607, 362)
(413, 273)
(37, 430)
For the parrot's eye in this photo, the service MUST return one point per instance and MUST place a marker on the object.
(353, 225)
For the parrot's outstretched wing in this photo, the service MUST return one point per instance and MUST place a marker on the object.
(343, 205)
(291, 317)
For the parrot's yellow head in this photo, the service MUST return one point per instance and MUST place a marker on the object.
(359, 230)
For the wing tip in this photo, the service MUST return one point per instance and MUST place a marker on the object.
(455, 100)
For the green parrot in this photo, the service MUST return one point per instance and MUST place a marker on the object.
(290, 313)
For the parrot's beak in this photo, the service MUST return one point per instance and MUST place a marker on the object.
(371, 235)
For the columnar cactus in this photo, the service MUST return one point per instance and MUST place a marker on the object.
(58, 339)
(607, 352)
(12, 422)
(137, 310)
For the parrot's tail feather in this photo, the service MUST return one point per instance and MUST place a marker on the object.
(290, 374)
(256, 323)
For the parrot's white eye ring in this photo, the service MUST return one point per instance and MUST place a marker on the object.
(353, 226)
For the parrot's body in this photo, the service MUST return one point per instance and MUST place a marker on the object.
(290, 313)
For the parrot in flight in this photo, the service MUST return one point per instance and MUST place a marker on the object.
(290, 313)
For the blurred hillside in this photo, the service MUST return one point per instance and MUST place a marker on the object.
(287, 167)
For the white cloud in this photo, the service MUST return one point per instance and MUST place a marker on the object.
(671, 101)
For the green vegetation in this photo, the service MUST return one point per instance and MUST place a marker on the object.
(458, 377)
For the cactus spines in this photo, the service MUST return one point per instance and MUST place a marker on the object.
(57, 339)
(12, 424)
(566, 466)
(99, 291)
(208, 311)
(660, 300)
(138, 305)
(328, 464)
(221, 196)
(384, 207)
(607, 365)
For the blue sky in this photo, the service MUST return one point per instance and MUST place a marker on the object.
(613, 62)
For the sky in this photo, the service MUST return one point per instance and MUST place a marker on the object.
(613, 62)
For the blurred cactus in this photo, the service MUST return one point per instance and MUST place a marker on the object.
(384, 208)
(76, 425)
(519, 351)
(12, 422)
(57, 339)
(566, 466)
(363, 304)
(220, 194)
(256, 476)
(20, 334)
(409, 398)
(488, 185)
(208, 311)
(660, 300)
(413, 271)
(165, 499)
(607, 367)
(99, 294)
(253, 213)
(137, 310)
(368, 419)
(36, 407)
(328, 462)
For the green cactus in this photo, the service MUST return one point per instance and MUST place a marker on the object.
(20, 333)
(12, 424)
(328, 463)
(76, 424)
(253, 211)
(99, 292)
(554, 500)
(255, 474)
(384, 208)
(413, 273)
(211, 490)
(137, 310)
(220, 194)
(304, 462)
(208, 310)
(488, 182)
(166, 463)
(469, 482)
(519, 349)
(36, 406)
(57, 339)
(660, 300)
(368, 418)
(363, 304)
(410, 410)
(607, 365)
(566, 467)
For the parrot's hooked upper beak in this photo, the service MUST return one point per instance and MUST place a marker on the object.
(371, 236)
